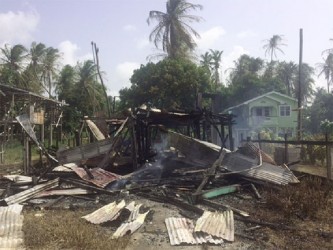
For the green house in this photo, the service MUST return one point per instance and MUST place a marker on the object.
(273, 112)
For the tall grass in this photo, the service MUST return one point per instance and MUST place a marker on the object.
(66, 230)
(304, 200)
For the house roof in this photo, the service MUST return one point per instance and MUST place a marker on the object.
(8, 90)
(268, 95)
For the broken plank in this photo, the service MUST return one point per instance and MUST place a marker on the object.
(173, 201)
(256, 193)
(29, 193)
(88, 186)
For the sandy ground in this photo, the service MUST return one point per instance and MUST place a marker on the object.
(153, 234)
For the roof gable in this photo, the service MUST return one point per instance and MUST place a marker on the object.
(276, 96)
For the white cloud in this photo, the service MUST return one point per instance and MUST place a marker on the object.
(124, 71)
(70, 52)
(210, 37)
(246, 34)
(142, 43)
(228, 59)
(18, 27)
(129, 28)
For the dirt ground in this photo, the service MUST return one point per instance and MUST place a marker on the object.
(291, 232)
(276, 228)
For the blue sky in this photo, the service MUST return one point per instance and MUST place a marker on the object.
(121, 32)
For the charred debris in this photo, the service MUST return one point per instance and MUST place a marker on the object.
(156, 155)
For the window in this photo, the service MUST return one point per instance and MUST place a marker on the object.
(262, 111)
(284, 110)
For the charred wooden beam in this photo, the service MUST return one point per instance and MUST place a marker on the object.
(220, 206)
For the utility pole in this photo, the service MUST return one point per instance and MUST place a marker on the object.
(299, 118)
(93, 51)
(96, 50)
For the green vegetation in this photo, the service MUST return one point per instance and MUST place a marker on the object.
(172, 82)
(172, 30)
(167, 84)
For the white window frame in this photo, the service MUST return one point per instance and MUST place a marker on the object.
(285, 110)
(264, 111)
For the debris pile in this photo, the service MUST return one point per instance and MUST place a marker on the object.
(171, 168)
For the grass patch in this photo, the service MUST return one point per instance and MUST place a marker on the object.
(13, 152)
(303, 200)
(66, 230)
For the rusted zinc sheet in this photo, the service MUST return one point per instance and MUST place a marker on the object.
(217, 224)
(181, 231)
(11, 221)
(29, 193)
(106, 213)
(95, 130)
(130, 227)
(101, 177)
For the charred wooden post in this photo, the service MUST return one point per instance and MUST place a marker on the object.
(328, 158)
(77, 138)
(231, 139)
(147, 136)
(286, 154)
(26, 155)
(223, 136)
(134, 145)
(204, 130)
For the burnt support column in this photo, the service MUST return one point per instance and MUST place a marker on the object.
(231, 139)
(26, 154)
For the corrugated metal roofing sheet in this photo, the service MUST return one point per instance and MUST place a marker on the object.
(19, 178)
(272, 173)
(106, 213)
(68, 167)
(101, 177)
(11, 221)
(68, 191)
(181, 230)
(217, 224)
(250, 161)
(31, 192)
(130, 226)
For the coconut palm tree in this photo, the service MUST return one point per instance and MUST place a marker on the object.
(172, 30)
(216, 60)
(307, 83)
(33, 71)
(273, 45)
(206, 61)
(49, 68)
(326, 69)
(91, 92)
(287, 72)
(12, 61)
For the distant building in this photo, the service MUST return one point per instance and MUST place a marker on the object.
(273, 112)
